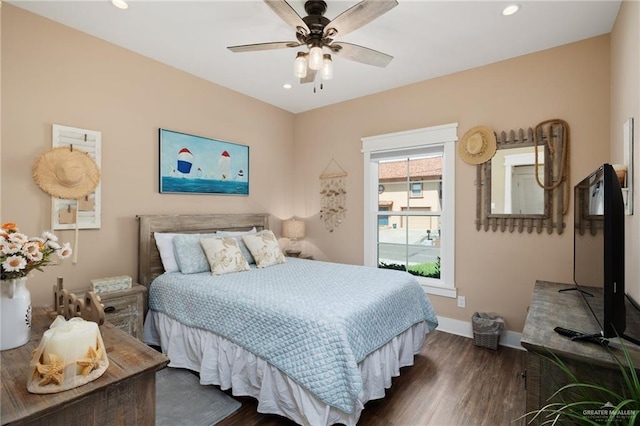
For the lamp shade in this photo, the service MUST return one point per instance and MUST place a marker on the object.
(293, 229)
(315, 58)
(300, 65)
(327, 67)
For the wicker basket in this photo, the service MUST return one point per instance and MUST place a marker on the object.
(486, 340)
(486, 329)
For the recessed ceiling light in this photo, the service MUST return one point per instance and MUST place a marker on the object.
(510, 10)
(286, 86)
(120, 4)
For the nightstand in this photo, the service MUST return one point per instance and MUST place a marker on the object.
(124, 308)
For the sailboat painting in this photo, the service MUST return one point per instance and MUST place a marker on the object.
(198, 165)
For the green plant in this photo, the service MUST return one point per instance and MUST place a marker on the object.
(429, 270)
(589, 403)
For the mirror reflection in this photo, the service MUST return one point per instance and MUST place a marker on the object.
(514, 189)
(510, 196)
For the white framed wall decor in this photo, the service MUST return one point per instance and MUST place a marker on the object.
(63, 212)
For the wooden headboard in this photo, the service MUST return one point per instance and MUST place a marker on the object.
(149, 263)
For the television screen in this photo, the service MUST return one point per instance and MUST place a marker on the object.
(599, 249)
(589, 234)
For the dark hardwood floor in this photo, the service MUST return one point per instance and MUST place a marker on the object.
(452, 382)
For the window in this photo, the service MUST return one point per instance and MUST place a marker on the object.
(416, 188)
(383, 220)
(410, 225)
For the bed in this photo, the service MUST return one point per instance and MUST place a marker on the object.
(312, 341)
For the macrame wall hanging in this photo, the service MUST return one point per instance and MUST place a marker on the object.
(333, 195)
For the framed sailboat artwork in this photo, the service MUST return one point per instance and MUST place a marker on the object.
(198, 165)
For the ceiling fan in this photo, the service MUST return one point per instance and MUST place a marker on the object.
(316, 32)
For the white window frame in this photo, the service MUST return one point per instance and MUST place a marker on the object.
(445, 136)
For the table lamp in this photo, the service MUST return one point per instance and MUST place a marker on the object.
(293, 229)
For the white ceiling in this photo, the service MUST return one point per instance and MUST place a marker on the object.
(426, 38)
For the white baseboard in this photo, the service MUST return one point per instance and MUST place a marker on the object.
(510, 339)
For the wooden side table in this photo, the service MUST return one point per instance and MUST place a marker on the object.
(124, 308)
(124, 394)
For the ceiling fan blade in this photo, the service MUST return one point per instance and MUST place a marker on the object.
(361, 54)
(357, 16)
(311, 76)
(287, 13)
(263, 46)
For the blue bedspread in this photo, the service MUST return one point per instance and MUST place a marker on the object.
(313, 320)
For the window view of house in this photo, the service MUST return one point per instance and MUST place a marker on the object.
(409, 214)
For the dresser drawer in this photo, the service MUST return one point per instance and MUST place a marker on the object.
(124, 313)
(125, 309)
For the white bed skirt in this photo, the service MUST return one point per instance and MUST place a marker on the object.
(223, 363)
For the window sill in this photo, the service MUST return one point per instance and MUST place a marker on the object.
(431, 286)
(440, 291)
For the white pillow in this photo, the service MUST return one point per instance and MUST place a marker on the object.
(237, 233)
(224, 255)
(164, 242)
(265, 248)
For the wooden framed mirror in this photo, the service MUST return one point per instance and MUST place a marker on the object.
(510, 196)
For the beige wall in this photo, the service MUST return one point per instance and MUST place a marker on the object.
(494, 271)
(53, 74)
(625, 103)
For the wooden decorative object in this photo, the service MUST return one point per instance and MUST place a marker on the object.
(553, 136)
(69, 305)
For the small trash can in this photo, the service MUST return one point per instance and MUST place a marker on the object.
(487, 328)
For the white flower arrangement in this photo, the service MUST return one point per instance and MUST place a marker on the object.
(19, 254)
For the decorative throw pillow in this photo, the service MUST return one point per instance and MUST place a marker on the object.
(164, 242)
(238, 236)
(265, 248)
(224, 255)
(189, 254)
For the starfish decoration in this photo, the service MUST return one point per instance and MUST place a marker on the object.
(91, 362)
(51, 372)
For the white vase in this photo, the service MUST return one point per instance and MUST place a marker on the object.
(15, 313)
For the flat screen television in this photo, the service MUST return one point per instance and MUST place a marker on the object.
(599, 249)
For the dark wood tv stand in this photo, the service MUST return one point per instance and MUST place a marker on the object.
(550, 308)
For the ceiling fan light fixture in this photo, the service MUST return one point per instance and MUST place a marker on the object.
(120, 4)
(327, 67)
(315, 58)
(300, 65)
(510, 10)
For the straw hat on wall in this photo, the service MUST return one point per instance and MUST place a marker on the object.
(478, 145)
(66, 173)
